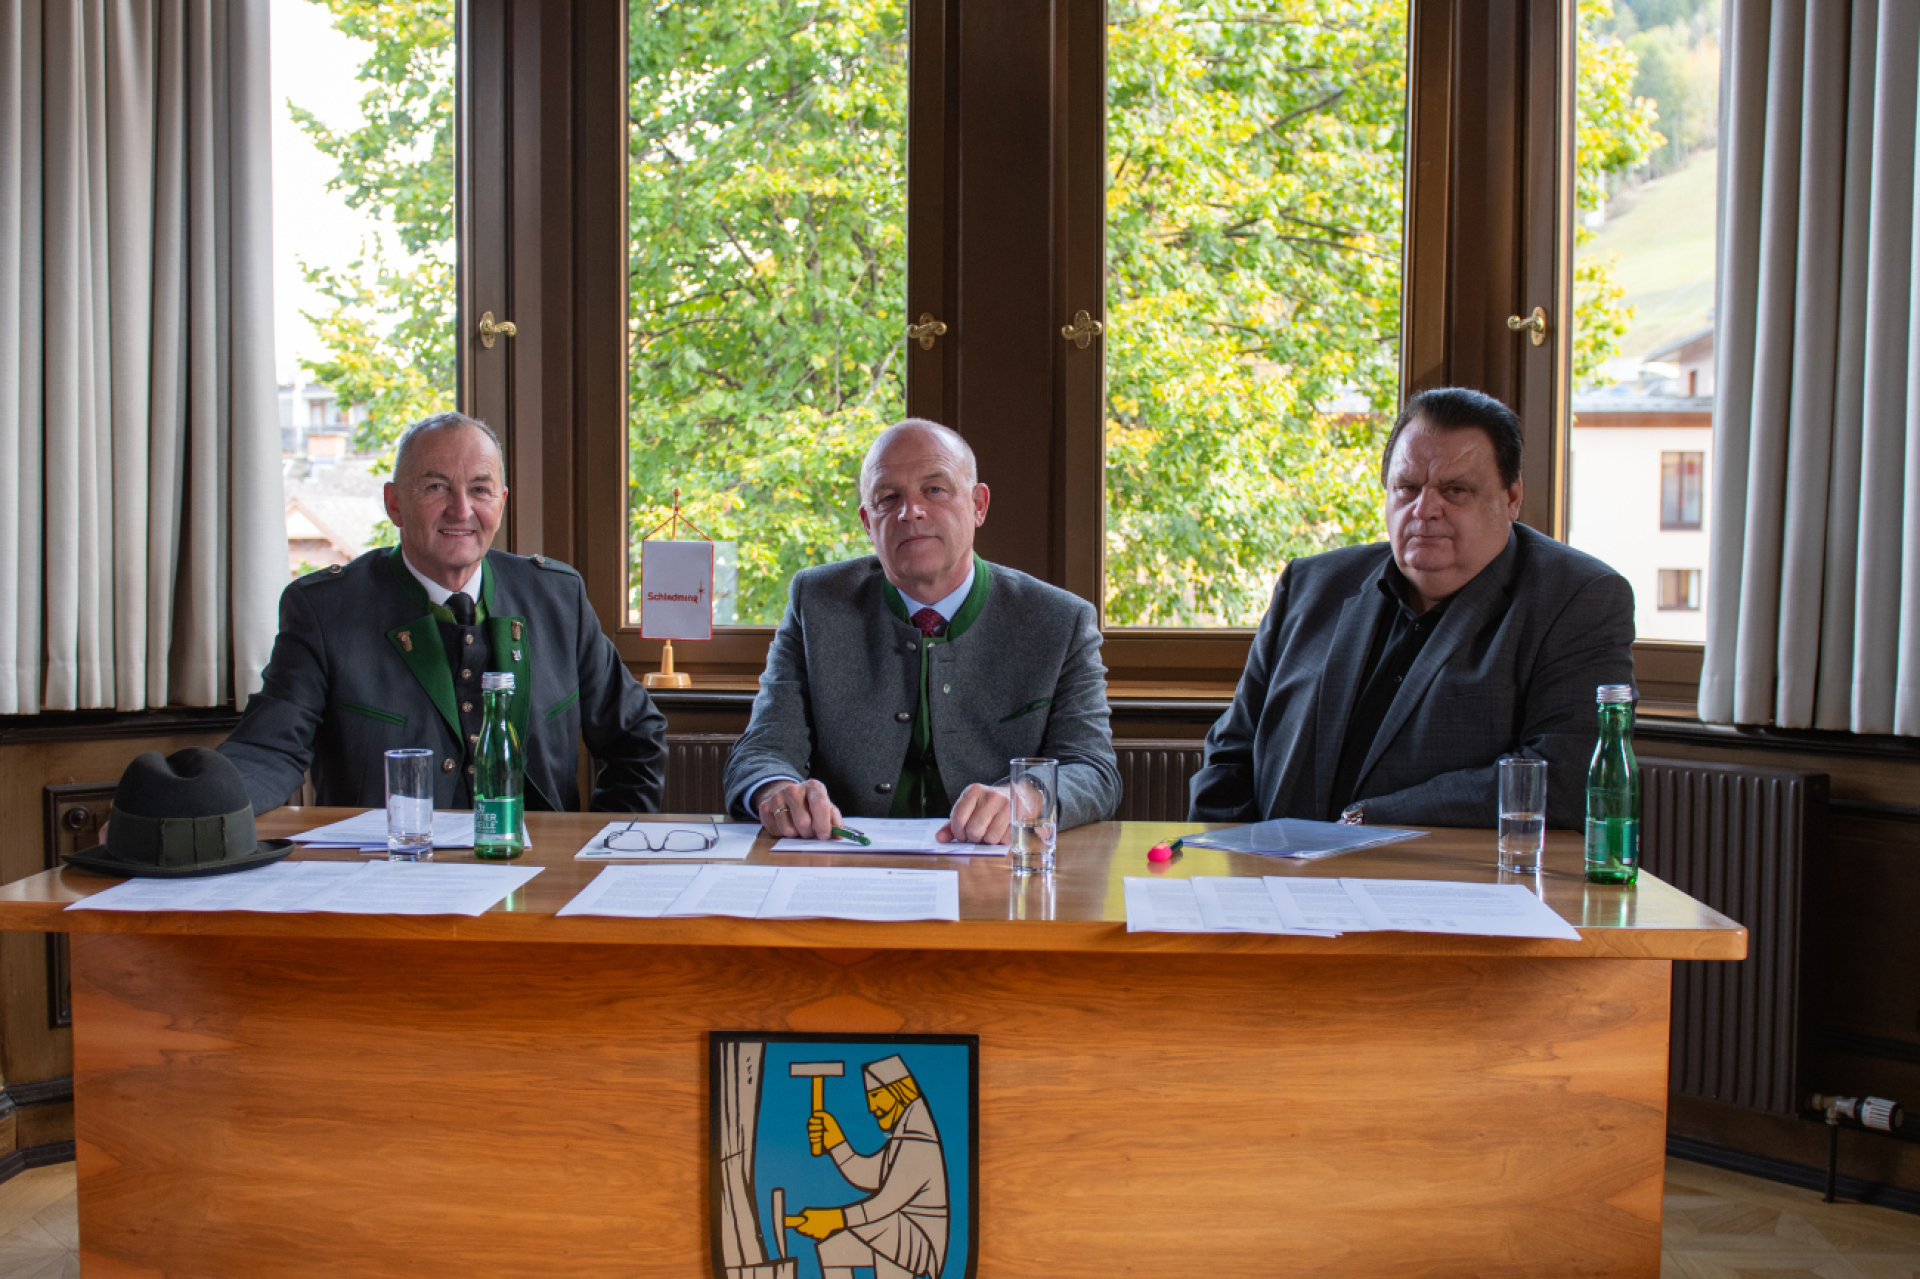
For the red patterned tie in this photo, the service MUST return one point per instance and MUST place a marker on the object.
(930, 622)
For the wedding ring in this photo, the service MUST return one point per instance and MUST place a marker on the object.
(780, 811)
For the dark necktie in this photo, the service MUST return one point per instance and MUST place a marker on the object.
(930, 622)
(460, 604)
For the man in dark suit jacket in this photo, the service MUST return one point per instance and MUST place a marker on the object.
(901, 683)
(1386, 681)
(387, 652)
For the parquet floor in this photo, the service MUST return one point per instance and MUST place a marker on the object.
(1719, 1225)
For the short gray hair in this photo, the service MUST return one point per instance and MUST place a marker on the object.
(403, 453)
(869, 465)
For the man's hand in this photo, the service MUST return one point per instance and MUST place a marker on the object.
(982, 815)
(818, 1223)
(823, 1131)
(799, 810)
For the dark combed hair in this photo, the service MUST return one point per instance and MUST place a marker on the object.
(438, 422)
(1453, 408)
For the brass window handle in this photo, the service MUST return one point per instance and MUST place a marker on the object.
(1536, 324)
(926, 330)
(489, 329)
(1083, 330)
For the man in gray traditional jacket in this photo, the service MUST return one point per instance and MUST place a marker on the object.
(387, 652)
(1386, 681)
(901, 683)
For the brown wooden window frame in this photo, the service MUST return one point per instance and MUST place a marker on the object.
(1489, 209)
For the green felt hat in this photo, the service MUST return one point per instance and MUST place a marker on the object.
(182, 815)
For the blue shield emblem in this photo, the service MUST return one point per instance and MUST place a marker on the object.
(844, 1156)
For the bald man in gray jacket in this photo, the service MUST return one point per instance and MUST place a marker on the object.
(901, 683)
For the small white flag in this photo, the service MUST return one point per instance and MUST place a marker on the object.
(676, 590)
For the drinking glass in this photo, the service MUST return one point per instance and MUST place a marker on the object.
(409, 804)
(1523, 813)
(1034, 788)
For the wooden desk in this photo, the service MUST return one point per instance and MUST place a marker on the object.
(519, 1094)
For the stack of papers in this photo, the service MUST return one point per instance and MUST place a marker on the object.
(346, 888)
(1298, 838)
(1328, 907)
(880, 894)
(892, 835)
(368, 829)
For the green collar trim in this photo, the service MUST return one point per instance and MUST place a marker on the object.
(965, 616)
(483, 606)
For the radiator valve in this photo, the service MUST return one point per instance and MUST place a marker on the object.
(1869, 1112)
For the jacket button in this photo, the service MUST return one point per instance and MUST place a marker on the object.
(469, 770)
(473, 739)
(466, 708)
(539, 559)
(903, 716)
(912, 645)
(466, 674)
(469, 639)
(884, 787)
(333, 568)
(946, 688)
(446, 766)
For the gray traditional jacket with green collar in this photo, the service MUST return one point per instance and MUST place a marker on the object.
(360, 668)
(838, 698)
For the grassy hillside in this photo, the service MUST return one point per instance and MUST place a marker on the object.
(1663, 233)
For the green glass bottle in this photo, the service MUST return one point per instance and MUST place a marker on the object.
(1613, 793)
(497, 766)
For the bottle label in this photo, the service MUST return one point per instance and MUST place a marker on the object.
(496, 821)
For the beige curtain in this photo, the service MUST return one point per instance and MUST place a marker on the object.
(1813, 603)
(142, 544)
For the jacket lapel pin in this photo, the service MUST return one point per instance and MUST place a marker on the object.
(516, 630)
(516, 654)
(406, 641)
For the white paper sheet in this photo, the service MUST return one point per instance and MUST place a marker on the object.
(632, 892)
(1236, 904)
(1317, 904)
(1162, 906)
(450, 830)
(1298, 838)
(882, 894)
(1441, 906)
(276, 888)
(726, 890)
(736, 841)
(423, 888)
(892, 835)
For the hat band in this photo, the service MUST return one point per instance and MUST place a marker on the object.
(182, 841)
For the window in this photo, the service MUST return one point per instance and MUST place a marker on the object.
(1644, 269)
(766, 198)
(1679, 590)
(1255, 167)
(1680, 478)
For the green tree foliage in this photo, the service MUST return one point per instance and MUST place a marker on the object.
(1253, 292)
(767, 225)
(1614, 131)
(389, 334)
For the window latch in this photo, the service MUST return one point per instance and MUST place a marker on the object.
(490, 330)
(926, 330)
(1536, 324)
(1083, 330)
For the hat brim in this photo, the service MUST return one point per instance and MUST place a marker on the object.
(96, 860)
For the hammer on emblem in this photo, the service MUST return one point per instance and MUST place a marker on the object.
(819, 1072)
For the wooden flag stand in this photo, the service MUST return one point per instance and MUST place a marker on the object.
(666, 676)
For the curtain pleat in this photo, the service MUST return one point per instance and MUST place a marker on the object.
(139, 437)
(1814, 586)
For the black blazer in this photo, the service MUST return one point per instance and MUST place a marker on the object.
(1511, 669)
(359, 669)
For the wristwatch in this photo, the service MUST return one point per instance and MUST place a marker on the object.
(1353, 815)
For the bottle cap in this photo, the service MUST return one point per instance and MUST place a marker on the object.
(1605, 693)
(495, 679)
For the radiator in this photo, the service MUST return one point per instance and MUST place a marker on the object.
(696, 763)
(1154, 777)
(1741, 839)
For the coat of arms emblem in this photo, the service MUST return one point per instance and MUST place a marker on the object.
(838, 1156)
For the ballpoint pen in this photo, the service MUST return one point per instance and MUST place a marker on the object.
(841, 832)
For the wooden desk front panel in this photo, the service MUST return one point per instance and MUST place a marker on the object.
(253, 1106)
